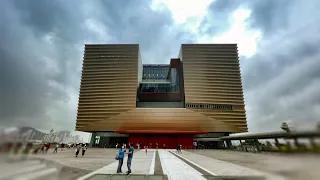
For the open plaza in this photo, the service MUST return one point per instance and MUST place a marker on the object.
(99, 163)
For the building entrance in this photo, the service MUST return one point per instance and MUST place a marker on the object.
(168, 141)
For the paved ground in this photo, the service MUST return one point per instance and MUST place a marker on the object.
(302, 166)
(165, 164)
(92, 160)
(63, 165)
(27, 168)
(173, 166)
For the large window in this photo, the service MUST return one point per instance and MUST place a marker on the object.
(155, 87)
(155, 79)
(155, 72)
(174, 79)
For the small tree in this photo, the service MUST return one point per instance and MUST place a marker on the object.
(269, 145)
(285, 127)
(249, 142)
(318, 126)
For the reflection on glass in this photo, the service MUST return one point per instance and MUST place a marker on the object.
(155, 79)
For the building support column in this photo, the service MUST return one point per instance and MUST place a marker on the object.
(256, 142)
(92, 140)
(278, 144)
(313, 144)
(229, 144)
(241, 145)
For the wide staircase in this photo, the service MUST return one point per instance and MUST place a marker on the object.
(27, 170)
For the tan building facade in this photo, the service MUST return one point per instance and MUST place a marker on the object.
(109, 82)
(212, 82)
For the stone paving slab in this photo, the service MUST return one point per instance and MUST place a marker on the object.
(291, 166)
(222, 168)
(125, 177)
(96, 158)
(93, 159)
(142, 163)
(176, 169)
(27, 169)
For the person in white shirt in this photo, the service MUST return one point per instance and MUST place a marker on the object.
(56, 149)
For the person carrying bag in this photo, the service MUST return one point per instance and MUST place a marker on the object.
(120, 157)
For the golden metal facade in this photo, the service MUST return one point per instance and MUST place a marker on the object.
(162, 119)
(109, 82)
(212, 82)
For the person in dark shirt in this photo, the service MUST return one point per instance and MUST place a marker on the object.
(77, 149)
(178, 148)
(84, 148)
(130, 156)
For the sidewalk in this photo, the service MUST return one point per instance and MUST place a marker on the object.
(174, 168)
(222, 168)
(142, 163)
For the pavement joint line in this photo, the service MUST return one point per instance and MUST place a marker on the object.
(195, 164)
(262, 174)
(87, 176)
(158, 165)
(153, 162)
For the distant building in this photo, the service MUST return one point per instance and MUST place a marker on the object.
(46, 138)
(63, 135)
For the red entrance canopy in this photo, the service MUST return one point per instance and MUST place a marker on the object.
(158, 132)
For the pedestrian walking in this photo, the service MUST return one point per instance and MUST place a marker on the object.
(47, 147)
(62, 146)
(42, 146)
(77, 149)
(84, 148)
(56, 148)
(195, 144)
(130, 156)
(120, 157)
(178, 148)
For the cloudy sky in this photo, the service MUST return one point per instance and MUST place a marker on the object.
(42, 48)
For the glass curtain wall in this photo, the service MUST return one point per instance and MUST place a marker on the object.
(155, 87)
(155, 73)
(157, 76)
(174, 78)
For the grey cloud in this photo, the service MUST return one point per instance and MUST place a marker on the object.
(38, 75)
(25, 81)
(61, 17)
(264, 15)
(273, 17)
(42, 52)
(219, 12)
(282, 80)
(150, 29)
